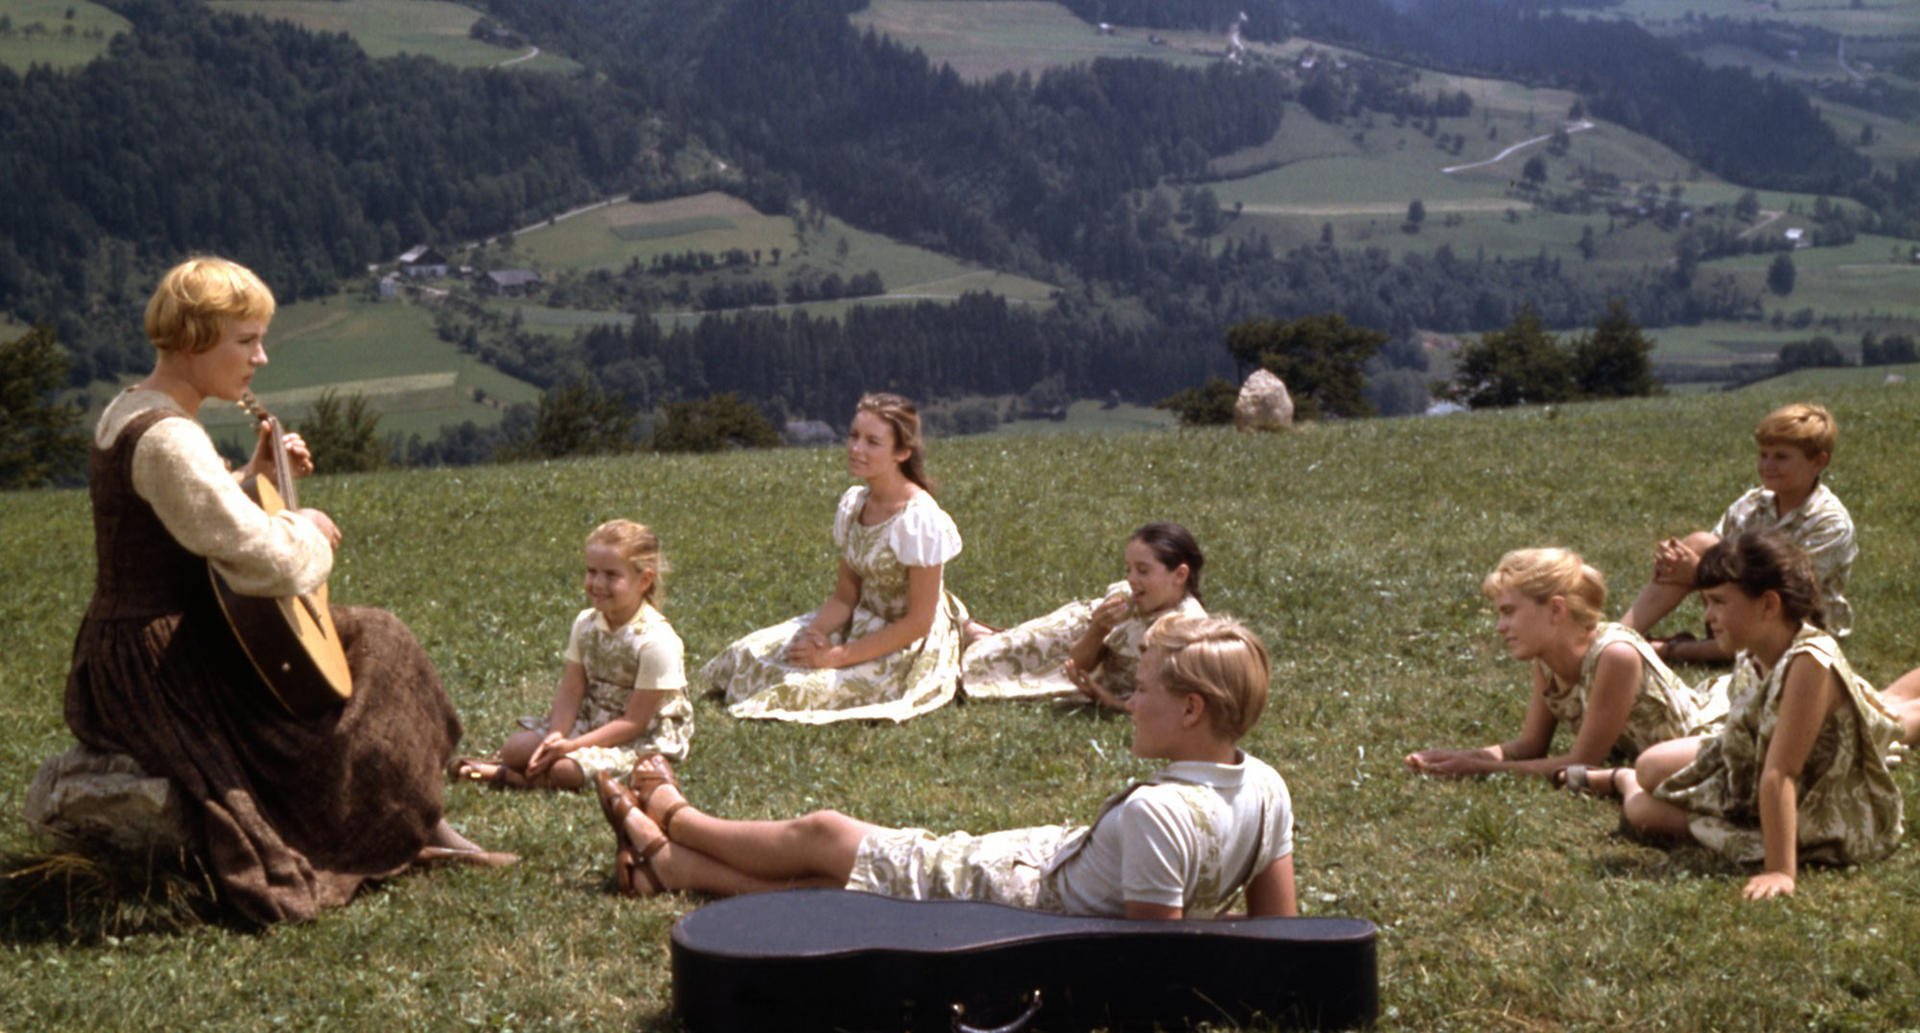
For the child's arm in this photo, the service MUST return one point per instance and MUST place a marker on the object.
(1271, 892)
(1091, 647)
(632, 723)
(923, 602)
(560, 717)
(1536, 734)
(1809, 695)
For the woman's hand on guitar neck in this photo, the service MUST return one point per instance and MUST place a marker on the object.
(322, 522)
(299, 456)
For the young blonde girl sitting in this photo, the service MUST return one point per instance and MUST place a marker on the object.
(1799, 770)
(1212, 823)
(622, 694)
(1090, 648)
(1601, 679)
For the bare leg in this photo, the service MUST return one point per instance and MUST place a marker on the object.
(511, 770)
(681, 867)
(1903, 698)
(1656, 764)
(821, 844)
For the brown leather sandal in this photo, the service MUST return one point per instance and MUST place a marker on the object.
(630, 868)
(646, 779)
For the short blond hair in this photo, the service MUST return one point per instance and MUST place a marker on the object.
(640, 547)
(195, 300)
(1217, 659)
(1541, 574)
(1806, 426)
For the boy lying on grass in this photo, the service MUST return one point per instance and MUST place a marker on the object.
(1211, 823)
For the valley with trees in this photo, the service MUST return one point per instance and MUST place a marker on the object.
(1530, 270)
(1092, 211)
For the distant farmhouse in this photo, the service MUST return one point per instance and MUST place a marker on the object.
(422, 260)
(509, 283)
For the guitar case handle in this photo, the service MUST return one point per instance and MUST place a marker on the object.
(1019, 1023)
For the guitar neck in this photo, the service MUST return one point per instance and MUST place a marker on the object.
(282, 470)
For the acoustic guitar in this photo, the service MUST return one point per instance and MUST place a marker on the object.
(291, 641)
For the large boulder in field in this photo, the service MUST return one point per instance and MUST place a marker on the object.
(86, 796)
(1264, 404)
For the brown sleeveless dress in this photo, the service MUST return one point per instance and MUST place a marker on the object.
(292, 815)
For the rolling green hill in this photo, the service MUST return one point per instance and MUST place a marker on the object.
(1356, 549)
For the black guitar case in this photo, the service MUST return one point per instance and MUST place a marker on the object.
(838, 960)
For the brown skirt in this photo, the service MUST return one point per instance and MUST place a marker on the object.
(293, 815)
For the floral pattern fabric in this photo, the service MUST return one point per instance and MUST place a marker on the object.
(1664, 707)
(643, 654)
(1849, 809)
(1028, 661)
(1821, 526)
(757, 682)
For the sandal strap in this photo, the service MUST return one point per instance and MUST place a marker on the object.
(666, 820)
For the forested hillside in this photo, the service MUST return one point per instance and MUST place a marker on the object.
(289, 150)
(296, 153)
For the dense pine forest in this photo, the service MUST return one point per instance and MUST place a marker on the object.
(294, 152)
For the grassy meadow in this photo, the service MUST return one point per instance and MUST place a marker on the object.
(384, 350)
(1355, 548)
(386, 28)
(43, 33)
(613, 236)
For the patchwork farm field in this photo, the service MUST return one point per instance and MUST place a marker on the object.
(980, 40)
(56, 33)
(613, 236)
(386, 351)
(1356, 549)
(385, 28)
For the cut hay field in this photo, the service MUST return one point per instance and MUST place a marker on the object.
(386, 351)
(616, 235)
(43, 34)
(385, 28)
(1355, 548)
(980, 40)
(1868, 18)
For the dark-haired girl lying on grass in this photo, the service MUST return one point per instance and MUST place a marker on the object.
(1799, 770)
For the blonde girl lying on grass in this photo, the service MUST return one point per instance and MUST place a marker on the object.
(1601, 679)
(1799, 770)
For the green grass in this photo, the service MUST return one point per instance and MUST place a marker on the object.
(618, 234)
(1356, 549)
(40, 33)
(385, 350)
(1870, 18)
(982, 40)
(385, 28)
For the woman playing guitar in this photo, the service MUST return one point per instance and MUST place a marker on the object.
(294, 812)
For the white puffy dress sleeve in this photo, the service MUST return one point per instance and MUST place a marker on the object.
(179, 473)
(924, 535)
